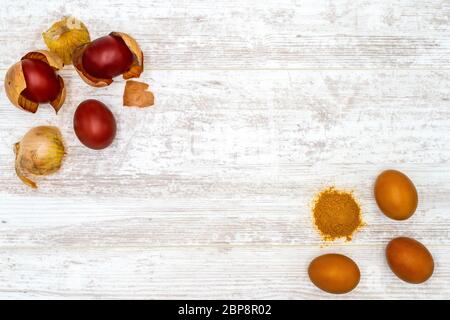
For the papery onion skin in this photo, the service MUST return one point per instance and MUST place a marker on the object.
(136, 94)
(66, 35)
(138, 56)
(107, 57)
(94, 124)
(42, 81)
(40, 152)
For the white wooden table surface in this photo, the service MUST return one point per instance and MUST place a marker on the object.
(259, 105)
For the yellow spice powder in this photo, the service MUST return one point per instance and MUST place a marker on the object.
(336, 214)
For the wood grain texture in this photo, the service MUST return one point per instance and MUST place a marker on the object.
(259, 105)
(237, 34)
(255, 272)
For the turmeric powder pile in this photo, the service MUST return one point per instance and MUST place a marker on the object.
(336, 214)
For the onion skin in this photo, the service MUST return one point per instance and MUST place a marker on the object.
(136, 94)
(14, 86)
(94, 124)
(39, 153)
(41, 80)
(138, 62)
(64, 36)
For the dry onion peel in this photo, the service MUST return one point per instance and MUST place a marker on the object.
(136, 94)
(138, 62)
(39, 153)
(52, 59)
(64, 36)
(14, 85)
(15, 82)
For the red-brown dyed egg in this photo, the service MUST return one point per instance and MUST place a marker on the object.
(396, 195)
(410, 260)
(41, 80)
(94, 124)
(107, 57)
(334, 273)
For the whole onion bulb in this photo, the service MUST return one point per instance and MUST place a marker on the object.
(39, 153)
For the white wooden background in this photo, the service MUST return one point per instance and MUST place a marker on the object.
(259, 105)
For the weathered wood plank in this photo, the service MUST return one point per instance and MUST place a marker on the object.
(259, 105)
(262, 272)
(216, 154)
(212, 131)
(276, 215)
(252, 35)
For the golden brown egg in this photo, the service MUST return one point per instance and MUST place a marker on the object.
(409, 260)
(334, 273)
(396, 195)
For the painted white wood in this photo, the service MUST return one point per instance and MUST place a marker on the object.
(259, 272)
(259, 105)
(236, 34)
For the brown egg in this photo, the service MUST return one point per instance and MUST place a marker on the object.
(396, 195)
(334, 273)
(409, 260)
